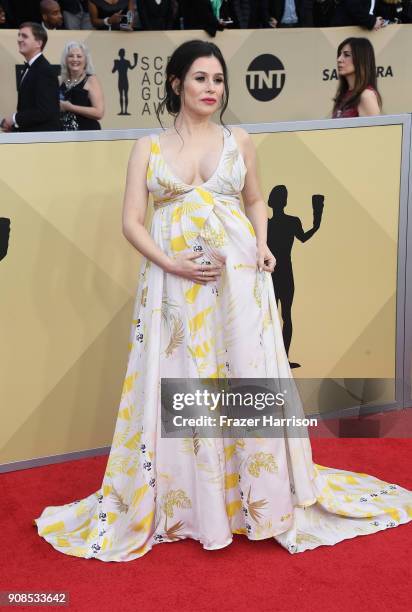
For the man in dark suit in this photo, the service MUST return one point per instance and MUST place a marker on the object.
(357, 12)
(288, 13)
(38, 106)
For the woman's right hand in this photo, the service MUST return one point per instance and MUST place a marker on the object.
(185, 266)
(115, 18)
(65, 105)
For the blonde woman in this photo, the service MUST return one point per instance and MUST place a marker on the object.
(81, 95)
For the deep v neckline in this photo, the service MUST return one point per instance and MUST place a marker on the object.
(173, 174)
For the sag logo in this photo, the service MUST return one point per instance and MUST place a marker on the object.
(265, 77)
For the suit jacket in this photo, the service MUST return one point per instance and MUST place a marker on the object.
(38, 107)
(156, 16)
(304, 11)
(392, 11)
(28, 10)
(354, 12)
(199, 16)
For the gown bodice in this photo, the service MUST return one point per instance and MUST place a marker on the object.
(195, 203)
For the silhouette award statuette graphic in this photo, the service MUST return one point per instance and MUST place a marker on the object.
(282, 230)
(121, 66)
(4, 236)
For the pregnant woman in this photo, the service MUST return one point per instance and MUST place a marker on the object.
(206, 308)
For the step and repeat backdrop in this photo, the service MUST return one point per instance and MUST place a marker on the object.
(274, 75)
(68, 276)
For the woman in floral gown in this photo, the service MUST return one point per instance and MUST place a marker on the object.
(205, 308)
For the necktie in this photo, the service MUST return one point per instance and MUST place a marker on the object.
(25, 71)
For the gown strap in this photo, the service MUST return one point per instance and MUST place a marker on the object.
(154, 150)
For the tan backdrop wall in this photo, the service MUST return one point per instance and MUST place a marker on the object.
(69, 278)
(299, 67)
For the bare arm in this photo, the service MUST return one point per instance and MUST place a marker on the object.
(135, 206)
(255, 207)
(94, 15)
(368, 104)
(96, 110)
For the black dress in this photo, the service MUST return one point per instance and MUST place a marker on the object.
(78, 96)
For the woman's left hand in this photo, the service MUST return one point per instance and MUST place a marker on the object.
(265, 259)
(65, 105)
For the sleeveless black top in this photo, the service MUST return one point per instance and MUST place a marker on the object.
(80, 97)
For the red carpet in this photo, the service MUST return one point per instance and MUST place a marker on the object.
(368, 572)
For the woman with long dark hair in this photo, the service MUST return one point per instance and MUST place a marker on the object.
(206, 309)
(357, 94)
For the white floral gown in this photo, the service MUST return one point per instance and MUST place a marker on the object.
(162, 490)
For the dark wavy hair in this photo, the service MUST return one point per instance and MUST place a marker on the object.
(363, 56)
(178, 66)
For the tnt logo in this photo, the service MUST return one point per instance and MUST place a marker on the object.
(265, 77)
